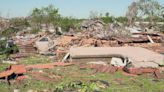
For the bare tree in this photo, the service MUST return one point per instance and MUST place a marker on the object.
(149, 9)
(94, 15)
(132, 13)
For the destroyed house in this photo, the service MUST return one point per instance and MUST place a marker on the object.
(92, 25)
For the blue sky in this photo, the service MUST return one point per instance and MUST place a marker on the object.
(75, 8)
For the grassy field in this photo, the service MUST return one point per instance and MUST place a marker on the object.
(73, 79)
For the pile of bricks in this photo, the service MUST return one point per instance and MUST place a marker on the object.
(26, 49)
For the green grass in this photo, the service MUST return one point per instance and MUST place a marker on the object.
(35, 59)
(3, 66)
(2, 57)
(72, 74)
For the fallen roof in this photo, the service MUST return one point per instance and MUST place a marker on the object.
(140, 39)
(17, 69)
(136, 54)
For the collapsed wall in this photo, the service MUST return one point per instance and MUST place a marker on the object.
(138, 56)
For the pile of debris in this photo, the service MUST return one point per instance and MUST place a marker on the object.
(36, 44)
(119, 36)
(157, 47)
(95, 33)
(101, 42)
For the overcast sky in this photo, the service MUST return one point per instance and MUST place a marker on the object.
(75, 8)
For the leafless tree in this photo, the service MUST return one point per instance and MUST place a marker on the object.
(132, 13)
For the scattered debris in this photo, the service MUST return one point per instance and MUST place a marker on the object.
(40, 66)
(126, 71)
(17, 71)
(66, 57)
(101, 68)
(9, 62)
(159, 75)
(118, 62)
(13, 71)
(42, 77)
(48, 65)
(150, 39)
